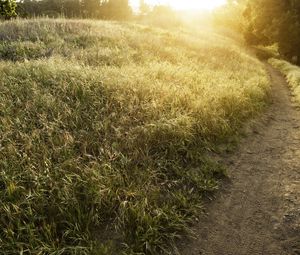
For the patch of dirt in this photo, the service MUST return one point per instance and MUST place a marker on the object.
(258, 210)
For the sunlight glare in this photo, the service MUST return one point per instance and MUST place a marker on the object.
(184, 4)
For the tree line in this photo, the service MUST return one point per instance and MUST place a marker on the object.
(95, 9)
(159, 15)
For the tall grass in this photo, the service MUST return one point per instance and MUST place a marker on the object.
(105, 129)
(292, 74)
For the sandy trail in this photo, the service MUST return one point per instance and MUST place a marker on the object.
(258, 210)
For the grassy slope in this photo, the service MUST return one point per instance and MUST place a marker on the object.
(292, 74)
(104, 127)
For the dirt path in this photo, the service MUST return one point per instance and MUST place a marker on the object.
(258, 211)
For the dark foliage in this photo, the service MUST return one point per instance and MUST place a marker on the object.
(104, 9)
(7, 9)
(274, 21)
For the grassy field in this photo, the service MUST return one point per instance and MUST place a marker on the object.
(105, 130)
(292, 74)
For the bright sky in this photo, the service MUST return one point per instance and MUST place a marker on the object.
(184, 4)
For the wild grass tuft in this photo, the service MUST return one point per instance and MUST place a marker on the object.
(105, 129)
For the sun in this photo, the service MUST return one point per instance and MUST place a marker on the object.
(185, 4)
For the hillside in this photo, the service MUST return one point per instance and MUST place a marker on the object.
(105, 129)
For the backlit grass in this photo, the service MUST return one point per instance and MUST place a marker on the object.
(104, 131)
(292, 74)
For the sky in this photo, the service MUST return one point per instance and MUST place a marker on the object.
(184, 4)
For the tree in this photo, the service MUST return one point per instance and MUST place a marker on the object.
(8, 9)
(274, 21)
(164, 16)
(230, 15)
(116, 9)
(91, 8)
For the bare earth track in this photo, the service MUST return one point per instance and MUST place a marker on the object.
(258, 210)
